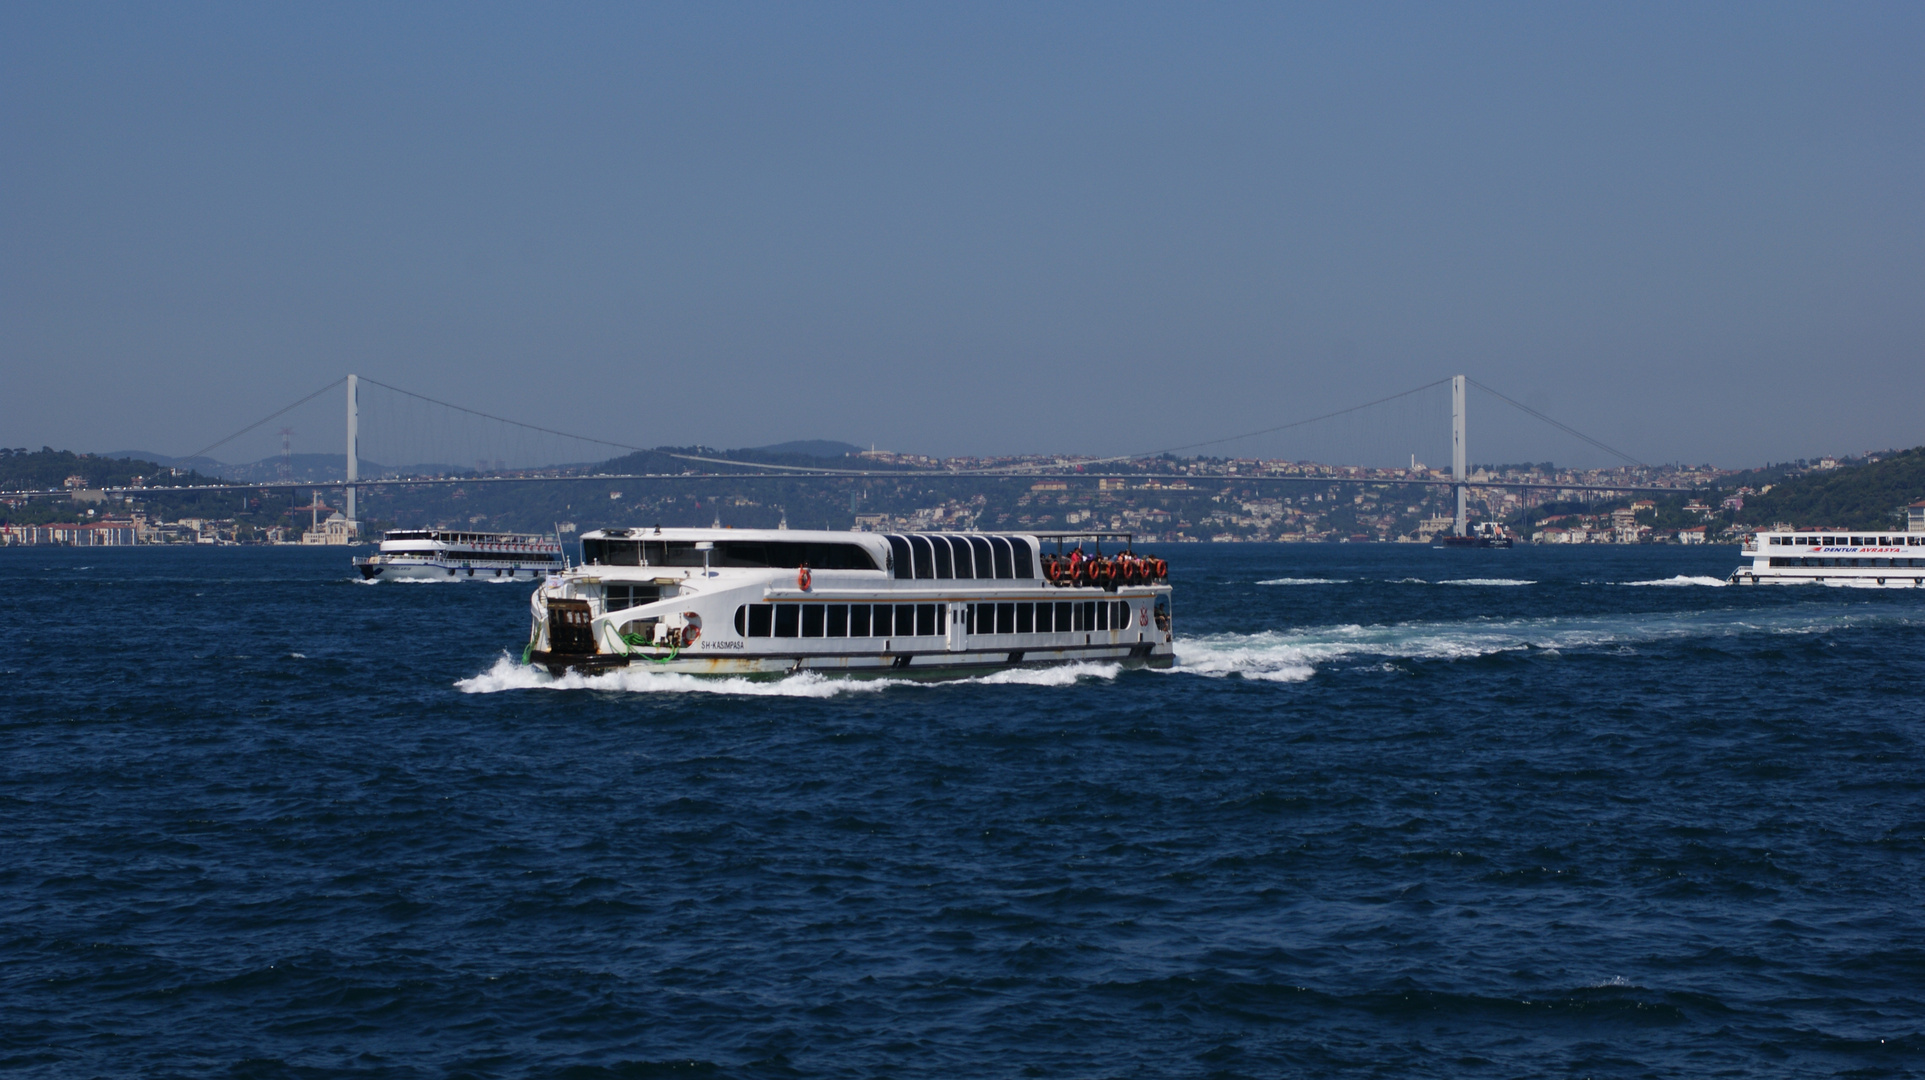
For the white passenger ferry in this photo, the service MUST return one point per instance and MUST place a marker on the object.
(1884, 559)
(754, 602)
(434, 554)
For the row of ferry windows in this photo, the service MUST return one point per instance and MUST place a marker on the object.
(1848, 541)
(1826, 560)
(456, 538)
(937, 557)
(755, 554)
(927, 620)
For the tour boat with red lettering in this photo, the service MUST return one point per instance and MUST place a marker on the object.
(1881, 560)
(776, 601)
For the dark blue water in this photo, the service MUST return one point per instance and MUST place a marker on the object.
(262, 821)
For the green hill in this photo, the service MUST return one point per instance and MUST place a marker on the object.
(24, 470)
(1870, 496)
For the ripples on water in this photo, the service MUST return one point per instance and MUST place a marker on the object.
(1442, 814)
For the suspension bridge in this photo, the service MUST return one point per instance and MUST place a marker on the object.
(533, 441)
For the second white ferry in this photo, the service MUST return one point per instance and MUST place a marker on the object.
(1883, 559)
(769, 602)
(437, 555)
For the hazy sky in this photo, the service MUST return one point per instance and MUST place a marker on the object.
(1695, 231)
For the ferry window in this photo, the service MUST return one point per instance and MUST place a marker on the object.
(1004, 569)
(773, 553)
(1776, 540)
(761, 620)
(925, 565)
(1043, 620)
(945, 568)
(965, 562)
(1122, 620)
(838, 620)
(812, 620)
(788, 621)
(1063, 616)
(1103, 615)
(905, 620)
(1025, 567)
(1025, 618)
(899, 555)
(926, 620)
(858, 620)
(1005, 618)
(741, 621)
(985, 559)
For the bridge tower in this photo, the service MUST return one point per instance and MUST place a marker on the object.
(354, 451)
(1458, 462)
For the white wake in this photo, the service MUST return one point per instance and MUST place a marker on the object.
(1297, 654)
(508, 674)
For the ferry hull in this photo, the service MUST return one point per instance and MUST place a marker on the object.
(1835, 580)
(378, 568)
(916, 665)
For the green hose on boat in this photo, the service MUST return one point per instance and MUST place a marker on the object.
(638, 641)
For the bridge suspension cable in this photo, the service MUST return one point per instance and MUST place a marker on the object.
(283, 412)
(1561, 427)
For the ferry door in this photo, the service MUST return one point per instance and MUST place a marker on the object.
(958, 627)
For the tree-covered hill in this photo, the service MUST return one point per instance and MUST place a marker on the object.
(1869, 496)
(30, 470)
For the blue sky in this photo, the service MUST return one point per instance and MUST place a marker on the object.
(1693, 231)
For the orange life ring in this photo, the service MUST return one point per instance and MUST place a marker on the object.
(802, 577)
(1099, 571)
(1053, 570)
(1162, 568)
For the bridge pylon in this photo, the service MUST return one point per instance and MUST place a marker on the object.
(1459, 459)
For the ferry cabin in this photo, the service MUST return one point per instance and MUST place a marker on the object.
(746, 602)
(1892, 560)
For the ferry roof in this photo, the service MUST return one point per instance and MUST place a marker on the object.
(875, 543)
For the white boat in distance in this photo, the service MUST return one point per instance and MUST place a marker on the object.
(776, 601)
(1882, 560)
(437, 555)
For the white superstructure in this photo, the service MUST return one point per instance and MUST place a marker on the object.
(1875, 559)
(438, 554)
(745, 602)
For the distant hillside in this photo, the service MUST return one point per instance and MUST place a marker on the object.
(23, 470)
(817, 448)
(1871, 496)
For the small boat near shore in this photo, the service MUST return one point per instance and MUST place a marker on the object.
(440, 555)
(1880, 560)
(1485, 534)
(773, 602)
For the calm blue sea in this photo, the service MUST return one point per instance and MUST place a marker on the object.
(1401, 812)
